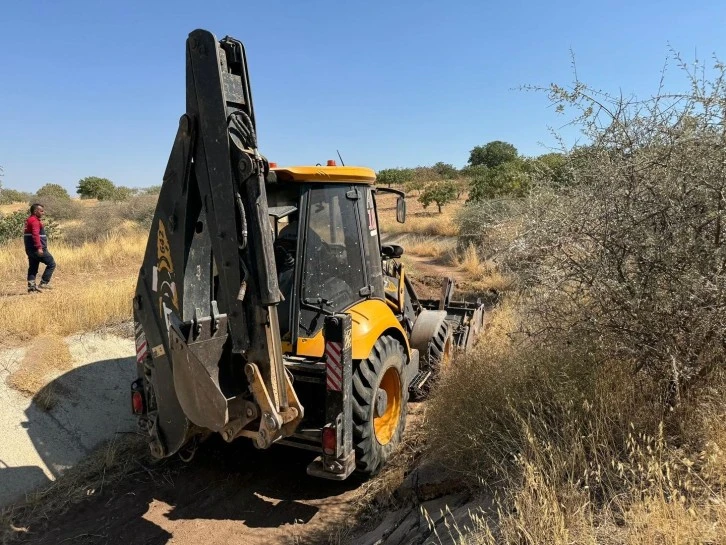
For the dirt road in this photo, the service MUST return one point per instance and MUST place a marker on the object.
(227, 494)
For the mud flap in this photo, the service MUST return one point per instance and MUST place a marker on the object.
(199, 396)
(337, 461)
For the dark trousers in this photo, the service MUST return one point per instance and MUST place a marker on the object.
(34, 261)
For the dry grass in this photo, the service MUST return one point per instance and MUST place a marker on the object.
(71, 307)
(428, 247)
(434, 225)
(94, 284)
(121, 251)
(480, 275)
(418, 220)
(46, 357)
(109, 464)
(12, 207)
(579, 450)
(483, 273)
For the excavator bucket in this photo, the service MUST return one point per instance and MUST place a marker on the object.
(208, 341)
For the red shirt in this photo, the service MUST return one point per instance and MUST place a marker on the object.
(34, 228)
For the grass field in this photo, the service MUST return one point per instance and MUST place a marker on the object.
(94, 280)
(419, 220)
(93, 287)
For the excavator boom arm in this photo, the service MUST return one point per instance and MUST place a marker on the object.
(208, 341)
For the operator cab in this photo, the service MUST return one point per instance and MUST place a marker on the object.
(327, 245)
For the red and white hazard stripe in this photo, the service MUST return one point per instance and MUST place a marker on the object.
(334, 366)
(142, 347)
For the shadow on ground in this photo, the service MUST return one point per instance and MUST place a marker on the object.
(251, 490)
(65, 421)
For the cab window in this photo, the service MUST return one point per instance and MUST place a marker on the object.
(333, 274)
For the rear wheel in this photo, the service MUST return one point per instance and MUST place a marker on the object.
(438, 356)
(380, 398)
(441, 349)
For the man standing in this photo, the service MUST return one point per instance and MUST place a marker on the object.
(36, 247)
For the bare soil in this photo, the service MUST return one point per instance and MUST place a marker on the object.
(227, 494)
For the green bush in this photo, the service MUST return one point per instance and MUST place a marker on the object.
(153, 190)
(139, 209)
(510, 179)
(12, 226)
(491, 224)
(52, 190)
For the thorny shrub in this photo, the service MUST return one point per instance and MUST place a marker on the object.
(597, 413)
(61, 208)
(630, 257)
(576, 449)
(106, 217)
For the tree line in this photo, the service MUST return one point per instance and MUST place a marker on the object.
(494, 170)
(90, 187)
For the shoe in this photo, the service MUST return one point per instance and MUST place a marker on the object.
(32, 288)
(45, 286)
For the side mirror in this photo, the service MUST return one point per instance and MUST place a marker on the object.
(401, 210)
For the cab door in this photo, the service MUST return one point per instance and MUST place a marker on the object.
(333, 276)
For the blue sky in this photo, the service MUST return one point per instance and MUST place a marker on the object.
(96, 88)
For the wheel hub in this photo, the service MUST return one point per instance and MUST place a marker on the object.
(386, 422)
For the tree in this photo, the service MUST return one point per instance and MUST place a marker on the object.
(509, 179)
(394, 176)
(445, 171)
(93, 187)
(554, 168)
(424, 174)
(630, 259)
(474, 171)
(53, 190)
(414, 185)
(441, 193)
(493, 154)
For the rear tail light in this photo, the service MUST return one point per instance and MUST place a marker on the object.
(137, 403)
(330, 440)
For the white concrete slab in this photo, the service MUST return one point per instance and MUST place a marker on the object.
(92, 405)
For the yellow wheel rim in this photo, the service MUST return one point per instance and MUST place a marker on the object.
(386, 424)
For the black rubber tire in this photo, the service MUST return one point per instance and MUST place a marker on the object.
(370, 454)
(435, 357)
(438, 348)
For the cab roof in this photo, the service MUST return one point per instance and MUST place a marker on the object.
(329, 174)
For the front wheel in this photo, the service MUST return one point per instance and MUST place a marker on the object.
(380, 399)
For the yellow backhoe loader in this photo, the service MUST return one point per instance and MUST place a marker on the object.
(267, 306)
